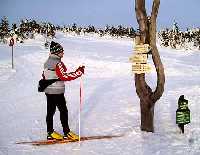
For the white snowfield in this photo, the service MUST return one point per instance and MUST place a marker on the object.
(110, 105)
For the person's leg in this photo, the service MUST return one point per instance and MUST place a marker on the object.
(51, 108)
(181, 127)
(61, 104)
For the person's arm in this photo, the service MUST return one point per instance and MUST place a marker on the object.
(61, 72)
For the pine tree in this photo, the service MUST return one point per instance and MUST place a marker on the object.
(4, 28)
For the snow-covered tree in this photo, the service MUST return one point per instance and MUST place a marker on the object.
(4, 28)
(175, 27)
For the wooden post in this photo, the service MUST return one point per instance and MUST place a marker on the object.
(12, 58)
(12, 44)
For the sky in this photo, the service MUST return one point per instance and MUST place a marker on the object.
(99, 12)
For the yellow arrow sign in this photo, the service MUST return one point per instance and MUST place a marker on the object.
(144, 48)
(141, 46)
(138, 58)
(141, 68)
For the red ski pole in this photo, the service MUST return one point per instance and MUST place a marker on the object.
(81, 102)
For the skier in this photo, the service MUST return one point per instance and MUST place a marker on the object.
(182, 113)
(54, 68)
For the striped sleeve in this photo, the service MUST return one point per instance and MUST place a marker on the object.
(61, 72)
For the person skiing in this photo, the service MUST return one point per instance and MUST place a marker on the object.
(54, 68)
(182, 113)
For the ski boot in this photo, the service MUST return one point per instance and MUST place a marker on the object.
(54, 136)
(71, 135)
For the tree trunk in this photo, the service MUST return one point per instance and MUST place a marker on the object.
(147, 116)
(148, 98)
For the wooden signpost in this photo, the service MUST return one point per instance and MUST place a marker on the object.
(139, 59)
(12, 42)
(142, 47)
(141, 68)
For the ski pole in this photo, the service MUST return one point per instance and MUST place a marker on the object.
(81, 100)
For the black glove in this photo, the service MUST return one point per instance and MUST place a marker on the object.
(81, 68)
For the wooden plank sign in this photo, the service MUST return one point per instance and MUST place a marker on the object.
(144, 48)
(141, 68)
(138, 58)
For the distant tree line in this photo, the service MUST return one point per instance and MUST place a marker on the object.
(26, 29)
(118, 31)
(177, 39)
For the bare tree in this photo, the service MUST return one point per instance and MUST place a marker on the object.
(148, 98)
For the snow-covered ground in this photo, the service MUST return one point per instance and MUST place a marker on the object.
(110, 106)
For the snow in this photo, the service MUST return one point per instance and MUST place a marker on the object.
(110, 105)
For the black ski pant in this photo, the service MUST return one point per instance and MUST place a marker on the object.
(181, 126)
(53, 101)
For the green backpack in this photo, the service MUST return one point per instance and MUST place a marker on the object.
(183, 112)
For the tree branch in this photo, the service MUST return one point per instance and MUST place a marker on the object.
(155, 55)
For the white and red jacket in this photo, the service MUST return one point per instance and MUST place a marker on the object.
(54, 68)
(61, 72)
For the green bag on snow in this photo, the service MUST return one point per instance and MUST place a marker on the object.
(183, 112)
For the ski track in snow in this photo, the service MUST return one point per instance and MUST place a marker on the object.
(110, 104)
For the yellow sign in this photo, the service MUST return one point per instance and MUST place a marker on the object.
(141, 68)
(138, 58)
(144, 48)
